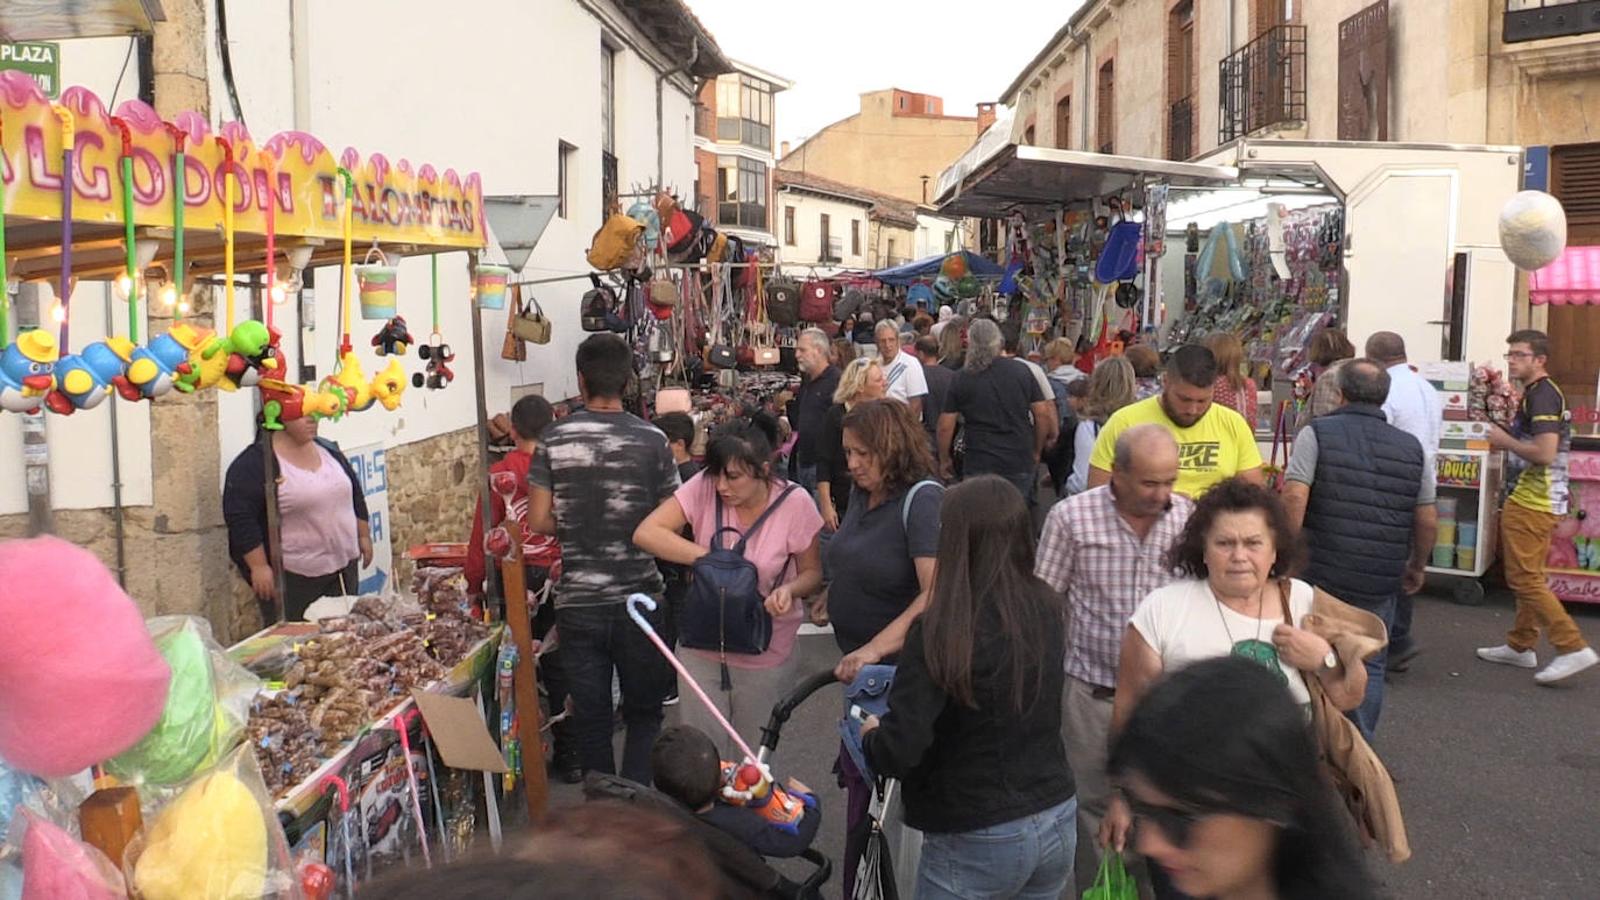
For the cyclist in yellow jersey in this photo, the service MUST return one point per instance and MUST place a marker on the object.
(1536, 454)
(1214, 442)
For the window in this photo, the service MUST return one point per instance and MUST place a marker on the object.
(893, 260)
(1027, 136)
(608, 99)
(950, 241)
(902, 102)
(566, 155)
(855, 237)
(1181, 81)
(1106, 108)
(741, 192)
(1064, 124)
(788, 225)
(744, 111)
(1574, 328)
(927, 106)
(826, 241)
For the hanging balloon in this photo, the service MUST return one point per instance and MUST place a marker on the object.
(944, 289)
(968, 287)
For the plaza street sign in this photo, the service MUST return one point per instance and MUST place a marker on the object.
(39, 61)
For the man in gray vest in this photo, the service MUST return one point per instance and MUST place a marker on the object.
(1356, 488)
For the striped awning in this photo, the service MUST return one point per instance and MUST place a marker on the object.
(1573, 278)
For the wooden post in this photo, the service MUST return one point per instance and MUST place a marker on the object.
(524, 683)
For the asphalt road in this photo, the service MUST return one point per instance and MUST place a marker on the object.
(1499, 777)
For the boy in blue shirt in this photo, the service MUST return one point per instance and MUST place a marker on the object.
(687, 769)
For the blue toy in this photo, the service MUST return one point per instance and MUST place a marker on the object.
(154, 370)
(26, 371)
(84, 379)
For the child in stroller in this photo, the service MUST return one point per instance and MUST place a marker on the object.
(686, 768)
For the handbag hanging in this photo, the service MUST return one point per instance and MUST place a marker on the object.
(530, 323)
(663, 290)
(512, 349)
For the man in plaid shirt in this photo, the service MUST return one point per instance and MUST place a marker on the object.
(1105, 549)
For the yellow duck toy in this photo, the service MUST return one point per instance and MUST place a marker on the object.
(205, 371)
(354, 381)
(388, 385)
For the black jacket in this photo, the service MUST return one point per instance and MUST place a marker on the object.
(963, 769)
(244, 500)
(810, 408)
(1362, 504)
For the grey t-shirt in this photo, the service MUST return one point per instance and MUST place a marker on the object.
(1303, 466)
(871, 561)
(606, 472)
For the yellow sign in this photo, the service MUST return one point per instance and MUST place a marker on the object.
(1459, 470)
(393, 203)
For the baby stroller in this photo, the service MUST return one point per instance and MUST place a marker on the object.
(744, 873)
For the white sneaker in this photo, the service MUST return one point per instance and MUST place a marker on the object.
(1567, 665)
(1522, 659)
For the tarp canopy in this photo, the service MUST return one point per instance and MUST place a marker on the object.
(911, 272)
(1573, 278)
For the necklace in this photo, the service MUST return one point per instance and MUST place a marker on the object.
(1254, 649)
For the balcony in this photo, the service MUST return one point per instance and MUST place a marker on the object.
(1180, 129)
(1263, 84)
(1535, 20)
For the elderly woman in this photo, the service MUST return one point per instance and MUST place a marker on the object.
(1234, 556)
(1328, 350)
(862, 380)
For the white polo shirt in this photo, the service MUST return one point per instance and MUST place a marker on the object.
(905, 377)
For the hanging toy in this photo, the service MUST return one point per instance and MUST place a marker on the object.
(388, 385)
(282, 402)
(154, 370)
(26, 371)
(954, 266)
(250, 352)
(353, 381)
(438, 356)
(203, 371)
(84, 379)
(394, 338)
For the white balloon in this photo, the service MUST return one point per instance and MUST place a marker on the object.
(1533, 230)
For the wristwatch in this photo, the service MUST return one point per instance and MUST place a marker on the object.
(1331, 661)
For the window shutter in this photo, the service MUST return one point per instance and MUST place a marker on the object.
(1575, 181)
(1106, 108)
(1364, 75)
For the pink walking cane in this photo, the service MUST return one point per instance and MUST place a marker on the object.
(638, 600)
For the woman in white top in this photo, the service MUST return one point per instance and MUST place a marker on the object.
(1235, 554)
(1110, 389)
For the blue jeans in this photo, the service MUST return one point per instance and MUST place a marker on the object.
(594, 641)
(1400, 631)
(1029, 857)
(1366, 715)
(1026, 482)
(805, 475)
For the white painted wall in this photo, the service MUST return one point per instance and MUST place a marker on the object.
(491, 92)
(934, 234)
(808, 211)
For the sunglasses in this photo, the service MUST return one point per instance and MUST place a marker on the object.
(1176, 824)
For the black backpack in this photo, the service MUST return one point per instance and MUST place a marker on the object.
(723, 609)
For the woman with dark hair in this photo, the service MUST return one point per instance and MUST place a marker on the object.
(738, 486)
(1329, 348)
(1223, 777)
(974, 722)
(1235, 554)
(881, 560)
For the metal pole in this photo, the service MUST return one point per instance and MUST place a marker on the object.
(118, 514)
(35, 444)
(481, 390)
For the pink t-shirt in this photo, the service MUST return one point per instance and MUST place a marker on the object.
(317, 517)
(775, 550)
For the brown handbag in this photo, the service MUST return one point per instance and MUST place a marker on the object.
(530, 324)
(1353, 767)
(513, 349)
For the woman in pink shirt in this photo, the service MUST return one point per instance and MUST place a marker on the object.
(739, 477)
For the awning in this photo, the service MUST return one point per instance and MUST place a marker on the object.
(1573, 278)
(1013, 175)
(929, 268)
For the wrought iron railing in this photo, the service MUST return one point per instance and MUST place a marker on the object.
(1263, 83)
(1180, 128)
(1533, 20)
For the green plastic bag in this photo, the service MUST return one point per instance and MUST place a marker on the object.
(1113, 882)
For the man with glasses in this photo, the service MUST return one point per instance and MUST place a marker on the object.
(1536, 455)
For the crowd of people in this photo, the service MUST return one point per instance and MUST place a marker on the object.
(1188, 572)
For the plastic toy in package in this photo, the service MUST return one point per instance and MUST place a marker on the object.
(208, 703)
(58, 866)
(218, 840)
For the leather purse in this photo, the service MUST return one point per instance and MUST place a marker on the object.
(663, 291)
(530, 323)
(767, 356)
(722, 356)
(512, 349)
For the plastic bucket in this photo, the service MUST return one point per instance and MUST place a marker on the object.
(1447, 507)
(376, 285)
(491, 286)
(1467, 534)
(1444, 557)
(1467, 558)
(1447, 533)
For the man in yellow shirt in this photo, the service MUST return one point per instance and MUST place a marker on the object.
(1214, 442)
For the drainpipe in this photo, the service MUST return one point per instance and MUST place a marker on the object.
(661, 129)
(117, 522)
(1082, 37)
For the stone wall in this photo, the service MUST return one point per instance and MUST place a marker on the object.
(433, 492)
